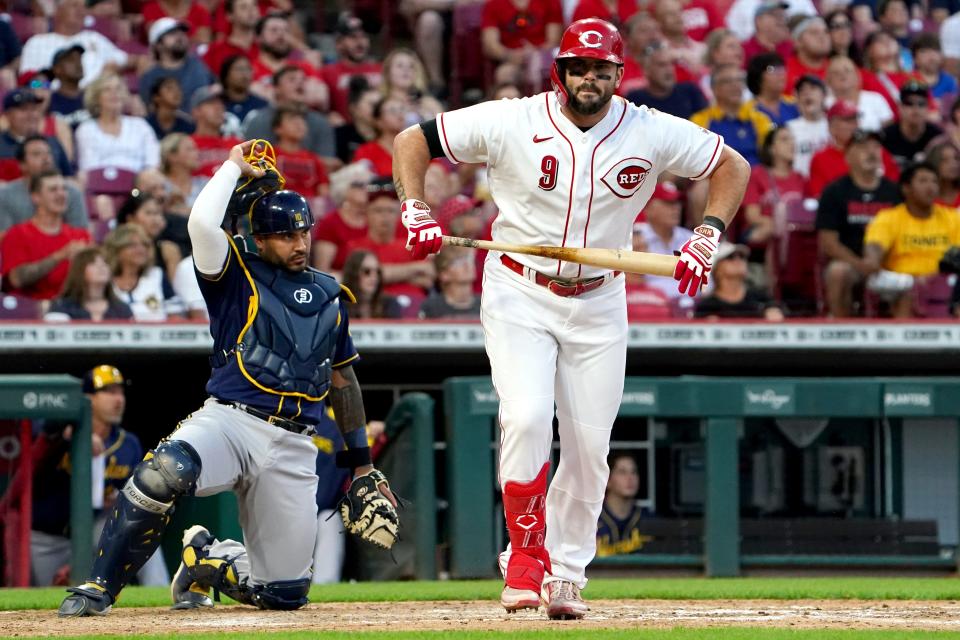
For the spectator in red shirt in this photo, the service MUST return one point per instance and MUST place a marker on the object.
(304, 172)
(276, 51)
(829, 163)
(773, 186)
(193, 14)
(37, 253)
(881, 55)
(811, 42)
(243, 16)
(686, 51)
(404, 277)
(206, 107)
(644, 301)
(642, 31)
(520, 35)
(616, 12)
(700, 17)
(353, 49)
(332, 233)
(388, 115)
(361, 128)
(771, 34)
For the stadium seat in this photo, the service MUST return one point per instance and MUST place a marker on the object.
(794, 258)
(110, 181)
(932, 296)
(19, 308)
(25, 25)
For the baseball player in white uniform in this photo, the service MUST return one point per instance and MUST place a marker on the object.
(571, 167)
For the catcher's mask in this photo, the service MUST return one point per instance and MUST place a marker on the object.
(280, 212)
(587, 38)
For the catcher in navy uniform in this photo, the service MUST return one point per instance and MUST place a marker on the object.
(282, 348)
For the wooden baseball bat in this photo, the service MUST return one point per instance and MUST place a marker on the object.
(653, 264)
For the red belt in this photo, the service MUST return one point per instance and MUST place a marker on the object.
(558, 287)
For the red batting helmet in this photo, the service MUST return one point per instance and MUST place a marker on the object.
(587, 38)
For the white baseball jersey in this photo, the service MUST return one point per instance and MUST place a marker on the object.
(558, 185)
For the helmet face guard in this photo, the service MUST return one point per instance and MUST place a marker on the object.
(280, 212)
(588, 38)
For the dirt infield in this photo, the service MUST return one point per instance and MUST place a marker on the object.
(412, 616)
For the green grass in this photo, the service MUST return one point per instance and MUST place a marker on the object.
(947, 588)
(578, 634)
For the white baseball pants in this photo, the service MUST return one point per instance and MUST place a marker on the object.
(546, 351)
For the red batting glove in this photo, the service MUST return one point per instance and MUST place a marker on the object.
(424, 235)
(696, 259)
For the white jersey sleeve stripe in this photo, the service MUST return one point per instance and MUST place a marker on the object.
(443, 141)
(713, 161)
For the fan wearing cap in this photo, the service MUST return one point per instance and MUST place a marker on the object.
(23, 111)
(67, 100)
(663, 231)
(771, 34)
(830, 163)
(847, 205)
(517, 38)
(209, 115)
(569, 167)
(454, 298)
(68, 28)
(304, 171)
(403, 276)
(120, 451)
(907, 138)
(731, 297)
(353, 59)
(194, 15)
(740, 15)
(171, 53)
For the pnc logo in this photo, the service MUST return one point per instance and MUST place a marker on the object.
(303, 296)
(627, 176)
(592, 39)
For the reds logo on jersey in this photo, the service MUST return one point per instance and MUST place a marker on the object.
(626, 176)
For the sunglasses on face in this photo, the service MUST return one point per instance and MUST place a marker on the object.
(369, 271)
(837, 26)
(915, 103)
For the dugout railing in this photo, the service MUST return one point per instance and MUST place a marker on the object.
(722, 404)
(58, 397)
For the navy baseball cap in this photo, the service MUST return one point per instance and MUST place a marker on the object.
(19, 98)
(64, 52)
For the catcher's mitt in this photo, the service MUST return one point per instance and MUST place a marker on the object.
(249, 189)
(367, 513)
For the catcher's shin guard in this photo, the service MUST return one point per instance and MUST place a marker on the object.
(132, 532)
(200, 572)
(285, 595)
(524, 505)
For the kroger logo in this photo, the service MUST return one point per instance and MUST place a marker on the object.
(768, 398)
(914, 399)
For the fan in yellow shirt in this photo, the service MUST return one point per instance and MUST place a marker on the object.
(912, 237)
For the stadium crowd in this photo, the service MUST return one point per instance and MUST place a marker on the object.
(115, 112)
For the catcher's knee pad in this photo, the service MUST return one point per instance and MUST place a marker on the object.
(168, 472)
(285, 595)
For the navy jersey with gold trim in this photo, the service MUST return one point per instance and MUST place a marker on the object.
(228, 297)
(617, 536)
(51, 492)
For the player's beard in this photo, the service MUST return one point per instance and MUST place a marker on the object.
(591, 105)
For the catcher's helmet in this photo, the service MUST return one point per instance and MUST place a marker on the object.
(280, 212)
(587, 38)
